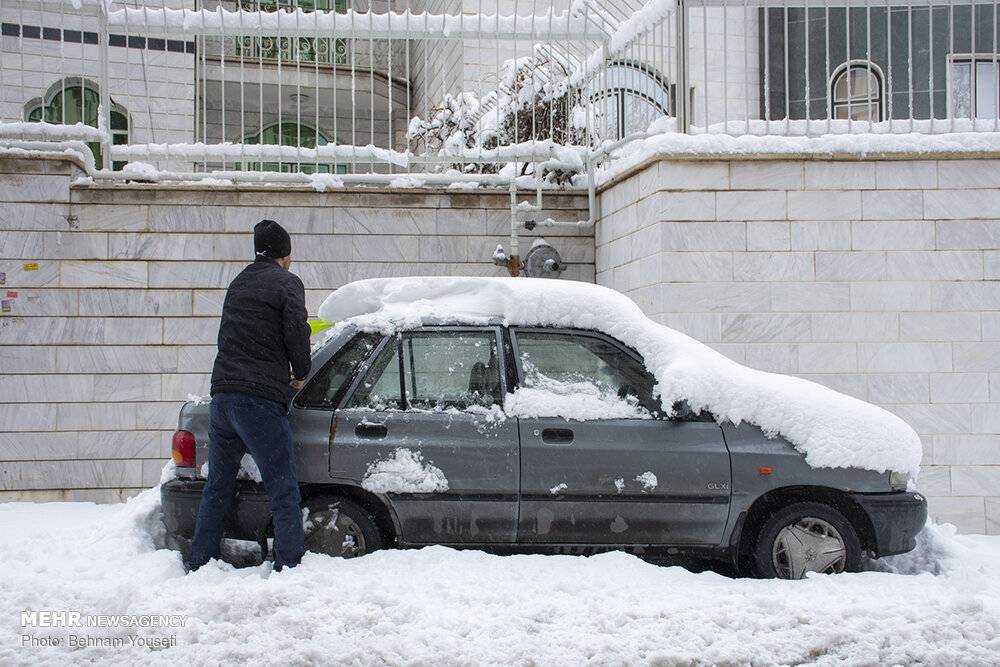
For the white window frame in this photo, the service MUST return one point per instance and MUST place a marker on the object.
(628, 77)
(971, 58)
(842, 70)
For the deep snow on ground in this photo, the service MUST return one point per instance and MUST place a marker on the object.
(438, 606)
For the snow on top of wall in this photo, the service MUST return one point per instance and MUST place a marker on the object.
(829, 428)
(142, 171)
(801, 137)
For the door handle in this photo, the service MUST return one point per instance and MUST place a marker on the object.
(557, 436)
(368, 430)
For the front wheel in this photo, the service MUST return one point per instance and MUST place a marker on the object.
(340, 527)
(806, 537)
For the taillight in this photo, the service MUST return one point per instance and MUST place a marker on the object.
(182, 448)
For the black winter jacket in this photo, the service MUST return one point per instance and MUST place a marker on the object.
(263, 333)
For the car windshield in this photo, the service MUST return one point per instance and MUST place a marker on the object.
(327, 386)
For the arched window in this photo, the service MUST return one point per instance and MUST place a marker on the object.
(856, 91)
(290, 133)
(72, 101)
(630, 96)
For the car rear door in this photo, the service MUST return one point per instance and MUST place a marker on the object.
(424, 426)
(615, 477)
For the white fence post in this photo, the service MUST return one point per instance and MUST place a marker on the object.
(104, 110)
(682, 96)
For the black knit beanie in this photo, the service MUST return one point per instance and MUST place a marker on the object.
(271, 240)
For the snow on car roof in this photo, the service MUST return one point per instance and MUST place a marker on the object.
(831, 429)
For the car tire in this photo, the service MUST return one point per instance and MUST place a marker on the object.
(179, 544)
(806, 537)
(338, 526)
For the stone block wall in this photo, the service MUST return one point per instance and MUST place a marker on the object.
(119, 290)
(878, 278)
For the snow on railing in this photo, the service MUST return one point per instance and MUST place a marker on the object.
(237, 153)
(486, 92)
(351, 23)
(642, 22)
(36, 131)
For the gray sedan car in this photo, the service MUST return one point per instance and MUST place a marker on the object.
(403, 441)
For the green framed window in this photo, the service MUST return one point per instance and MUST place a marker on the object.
(290, 133)
(77, 102)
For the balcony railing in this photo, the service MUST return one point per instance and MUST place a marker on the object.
(273, 47)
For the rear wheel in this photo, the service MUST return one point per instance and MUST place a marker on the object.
(806, 537)
(340, 527)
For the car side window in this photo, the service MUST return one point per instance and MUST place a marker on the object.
(451, 369)
(441, 370)
(325, 388)
(572, 363)
(379, 388)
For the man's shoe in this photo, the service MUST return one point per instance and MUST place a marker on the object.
(191, 567)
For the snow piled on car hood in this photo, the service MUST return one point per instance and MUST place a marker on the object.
(829, 428)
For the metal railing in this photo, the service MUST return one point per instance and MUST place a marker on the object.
(361, 92)
(409, 91)
(843, 66)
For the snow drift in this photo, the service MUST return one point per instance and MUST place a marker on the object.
(829, 428)
(445, 607)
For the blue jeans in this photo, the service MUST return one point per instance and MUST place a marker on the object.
(239, 424)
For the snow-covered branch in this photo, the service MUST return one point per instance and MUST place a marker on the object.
(532, 116)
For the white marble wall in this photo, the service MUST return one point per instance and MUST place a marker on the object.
(117, 325)
(876, 278)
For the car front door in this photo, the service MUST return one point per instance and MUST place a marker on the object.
(600, 462)
(424, 426)
(312, 411)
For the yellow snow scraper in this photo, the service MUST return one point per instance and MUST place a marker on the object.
(315, 326)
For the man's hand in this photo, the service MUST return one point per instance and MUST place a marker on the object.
(296, 384)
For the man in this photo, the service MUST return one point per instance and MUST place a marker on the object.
(263, 333)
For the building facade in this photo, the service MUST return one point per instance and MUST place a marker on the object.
(882, 63)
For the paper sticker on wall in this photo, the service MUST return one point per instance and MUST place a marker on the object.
(3, 278)
(11, 294)
(6, 305)
(31, 267)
